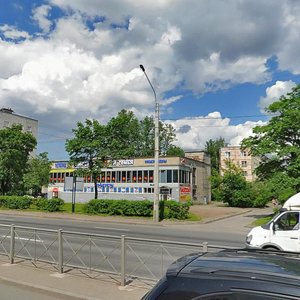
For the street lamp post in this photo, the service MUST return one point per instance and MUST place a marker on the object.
(156, 153)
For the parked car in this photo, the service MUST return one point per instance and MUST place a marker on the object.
(231, 275)
(281, 233)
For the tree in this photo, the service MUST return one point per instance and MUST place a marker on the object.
(212, 147)
(278, 142)
(234, 188)
(166, 137)
(15, 149)
(146, 138)
(37, 174)
(123, 132)
(89, 147)
(175, 151)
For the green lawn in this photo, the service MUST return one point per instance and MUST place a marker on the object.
(262, 221)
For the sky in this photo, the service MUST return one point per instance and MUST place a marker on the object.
(215, 65)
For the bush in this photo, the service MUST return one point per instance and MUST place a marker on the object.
(15, 202)
(51, 205)
(176, 210)
(119, 207)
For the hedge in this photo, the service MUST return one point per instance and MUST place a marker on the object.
(15, 202)
(51, 205)
(168, 209)
(119, 207)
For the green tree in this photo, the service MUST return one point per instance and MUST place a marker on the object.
(15, 149)
(212, 147)
(175, 151)
(123, 133)
(234, 188)
(278, 142)
(37, 174)
(146, 138)
(166, 137)
(89, 148)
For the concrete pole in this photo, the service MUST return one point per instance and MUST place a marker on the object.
(156, 153)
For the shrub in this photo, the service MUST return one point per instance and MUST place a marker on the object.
(51, 205)
(119, 207)
(176, 210)
(15, 202)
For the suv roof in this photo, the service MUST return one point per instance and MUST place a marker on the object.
(238, 273)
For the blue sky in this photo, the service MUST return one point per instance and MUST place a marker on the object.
(215, 66)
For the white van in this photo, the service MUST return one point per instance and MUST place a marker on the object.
(281, 233)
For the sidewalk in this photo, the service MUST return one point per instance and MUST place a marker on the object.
(68, 286)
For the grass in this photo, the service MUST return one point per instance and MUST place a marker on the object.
(67, 207)
(193, 217)
(262, 221)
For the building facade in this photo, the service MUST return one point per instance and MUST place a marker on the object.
(180, 179)
(241, 158)
(8, 118)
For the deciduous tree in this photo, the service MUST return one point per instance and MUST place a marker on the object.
(15, 149)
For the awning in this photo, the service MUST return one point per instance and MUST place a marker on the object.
(55, 189)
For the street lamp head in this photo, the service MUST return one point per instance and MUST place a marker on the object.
(142, 67)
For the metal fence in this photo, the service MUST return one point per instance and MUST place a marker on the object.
(126, 257)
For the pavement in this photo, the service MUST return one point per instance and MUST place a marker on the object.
(76, 285)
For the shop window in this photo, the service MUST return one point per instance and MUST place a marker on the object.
(128, 176)
(163, 176)
(169, 176)
(118, 176)
(108, 177)
(151, 176)
(102, 176)
(134, 176)
(113, 176)
(146, 178)
(123, 176)
(175, 176)
(140, 176)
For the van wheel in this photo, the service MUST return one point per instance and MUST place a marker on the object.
(271, 248)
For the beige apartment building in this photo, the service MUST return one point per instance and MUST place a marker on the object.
(8, 118)
(241, 158)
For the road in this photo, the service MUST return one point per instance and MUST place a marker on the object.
(143, 259)
(215, 233)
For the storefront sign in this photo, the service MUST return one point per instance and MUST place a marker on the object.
(185, 193)
(110, 185)
(122, 162)
(151, 161)
(60, 165)
(185, 190)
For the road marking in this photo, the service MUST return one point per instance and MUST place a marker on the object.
(109, 228)
(22, 239)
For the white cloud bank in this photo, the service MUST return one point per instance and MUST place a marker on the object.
(78, 70)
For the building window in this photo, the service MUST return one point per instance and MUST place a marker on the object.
(245, 173)
(169, 176)
(243, 153)
(227, 154)
(151, 176)
(244, 163)
(175, 176)
(163, 176)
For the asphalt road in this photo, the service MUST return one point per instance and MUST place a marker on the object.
(215, 233)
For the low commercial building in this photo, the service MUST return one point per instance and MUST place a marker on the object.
(180, 179)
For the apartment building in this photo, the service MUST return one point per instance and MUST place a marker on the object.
(241, 158)
(8, 118)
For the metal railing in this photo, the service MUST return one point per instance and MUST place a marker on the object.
(126, 257)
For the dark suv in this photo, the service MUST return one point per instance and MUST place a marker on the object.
(231, 275)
